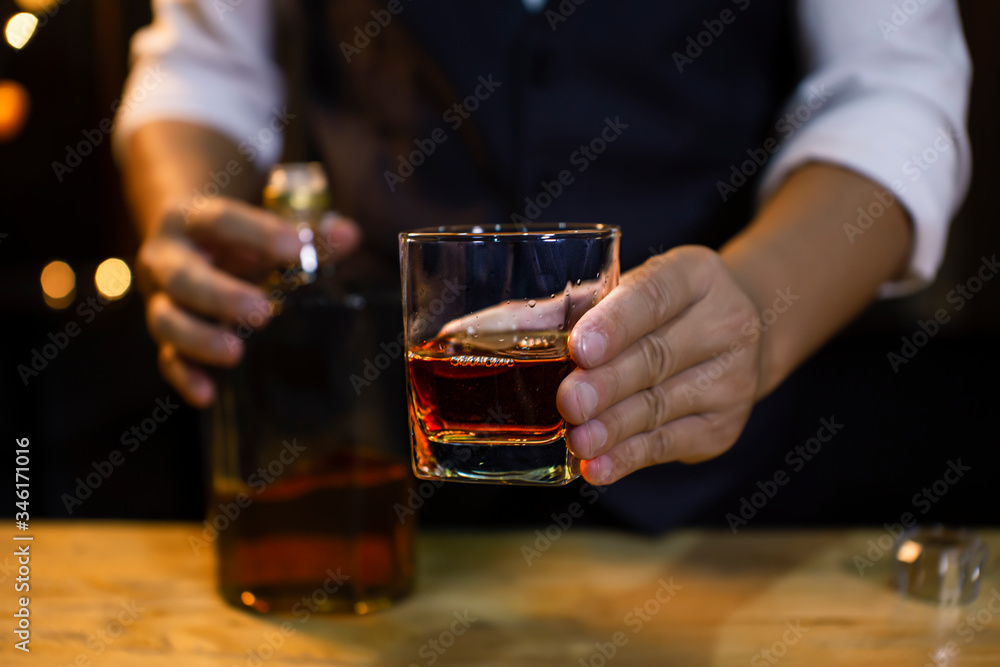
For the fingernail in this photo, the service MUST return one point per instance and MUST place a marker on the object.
(586, 399)
(599, 469)
(593, 345)
(588, 439)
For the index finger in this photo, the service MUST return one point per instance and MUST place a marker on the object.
(231, 222)
(647, 297)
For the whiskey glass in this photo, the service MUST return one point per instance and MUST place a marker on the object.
(487, 315)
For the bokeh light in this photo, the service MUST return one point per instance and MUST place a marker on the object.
(36, 6)
(20, 28)
(113, 278)
(14, 102)
(58, 284)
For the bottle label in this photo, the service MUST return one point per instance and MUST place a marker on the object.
(471, 360)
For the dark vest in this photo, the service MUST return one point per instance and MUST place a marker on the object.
(629, 112)
(680, 104)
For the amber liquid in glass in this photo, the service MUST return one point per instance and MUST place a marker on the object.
(485, 408)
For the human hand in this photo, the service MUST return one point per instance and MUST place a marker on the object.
(197, 274)
(634, 400)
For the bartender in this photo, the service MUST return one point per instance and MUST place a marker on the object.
(775, 166)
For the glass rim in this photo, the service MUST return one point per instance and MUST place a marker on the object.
(512, 230)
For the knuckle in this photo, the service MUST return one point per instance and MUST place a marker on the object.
(701, 256)
(657, 406)
(213, 210)
(145, 258)
(167, 362)
(158, 318)
(724, 432)
(628, 456)
(178, 280)
(658, 356)
(738, 315)
(655, 288)
(612, 384)
(659, 446)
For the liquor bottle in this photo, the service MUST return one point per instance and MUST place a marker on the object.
(309, 466)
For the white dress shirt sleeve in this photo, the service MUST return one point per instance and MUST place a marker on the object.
(207, 62)
(886, 95)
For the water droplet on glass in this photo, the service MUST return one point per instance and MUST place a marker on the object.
(531, 304)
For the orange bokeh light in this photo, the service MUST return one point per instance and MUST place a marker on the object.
(14, 102)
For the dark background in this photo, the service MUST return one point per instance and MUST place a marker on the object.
(900, 428)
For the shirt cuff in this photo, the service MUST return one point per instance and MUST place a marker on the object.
(918, 159)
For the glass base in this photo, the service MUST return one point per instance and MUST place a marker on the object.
(528, 464)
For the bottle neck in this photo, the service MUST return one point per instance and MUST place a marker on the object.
(306, 223)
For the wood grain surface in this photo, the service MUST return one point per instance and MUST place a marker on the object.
(136, 594)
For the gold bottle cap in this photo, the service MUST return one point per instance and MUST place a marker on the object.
(297, 186)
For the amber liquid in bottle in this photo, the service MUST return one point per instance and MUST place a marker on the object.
(485, 407)
(313, 471)
(318, 540)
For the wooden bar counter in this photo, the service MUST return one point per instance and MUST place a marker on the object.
(114, 594)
